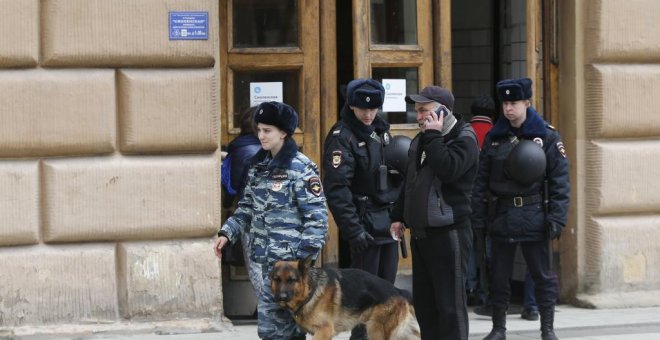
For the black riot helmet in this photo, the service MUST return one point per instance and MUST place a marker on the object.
(396, 153)
(526, 162)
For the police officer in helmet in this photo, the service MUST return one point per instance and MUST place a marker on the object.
(524, 170)
(359, 184)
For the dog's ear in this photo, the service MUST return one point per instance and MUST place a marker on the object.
(304, 265)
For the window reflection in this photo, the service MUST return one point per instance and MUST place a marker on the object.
(410, 74)
(290, 90)
(394, 22)
(265, 23)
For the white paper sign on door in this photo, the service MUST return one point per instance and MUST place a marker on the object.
(395, 93)
(265, 92)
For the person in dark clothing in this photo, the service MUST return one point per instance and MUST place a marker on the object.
(234, 178)
(239, 152)
(529, 201)
(435, 205)
(359, 185)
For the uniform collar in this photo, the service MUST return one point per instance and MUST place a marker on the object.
(283, 158)
(363, 131)
(534, 126)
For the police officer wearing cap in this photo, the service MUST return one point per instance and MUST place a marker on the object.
(359, 184)
(523, 168)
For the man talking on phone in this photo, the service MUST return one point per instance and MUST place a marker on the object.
(435, 205)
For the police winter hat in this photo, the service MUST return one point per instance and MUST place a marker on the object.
(511, 90)
(483, 106)
(365, 93)
(279, 114)
(433, 94)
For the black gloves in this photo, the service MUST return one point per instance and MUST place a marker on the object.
(553, 230)
(360, 242)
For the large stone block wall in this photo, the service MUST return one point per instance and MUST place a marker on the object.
(621, 128)
(109, 163)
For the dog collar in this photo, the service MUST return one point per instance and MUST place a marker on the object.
(297, 310)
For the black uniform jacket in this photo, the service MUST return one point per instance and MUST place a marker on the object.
(528, 222)
(353, 153)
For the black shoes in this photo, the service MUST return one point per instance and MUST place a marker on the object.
(529, 314)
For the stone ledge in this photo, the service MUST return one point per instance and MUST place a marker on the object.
(648, 298)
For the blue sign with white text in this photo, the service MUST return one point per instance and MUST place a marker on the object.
(189, 25)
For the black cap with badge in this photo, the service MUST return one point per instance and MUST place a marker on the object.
(365, 93)
(511, 90)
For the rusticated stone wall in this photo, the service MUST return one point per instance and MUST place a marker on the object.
(109, 189)
(620, 263)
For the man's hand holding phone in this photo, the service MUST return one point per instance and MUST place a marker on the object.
(435, 121)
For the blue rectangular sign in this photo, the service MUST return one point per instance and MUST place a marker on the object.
(189, 25)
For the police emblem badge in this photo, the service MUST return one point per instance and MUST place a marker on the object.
(539, 141)
(562, 149)
(315, 186)
(336, 159)
(277, 185)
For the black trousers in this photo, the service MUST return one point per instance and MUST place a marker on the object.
(439, 265)
(380, 260)
(537, 255)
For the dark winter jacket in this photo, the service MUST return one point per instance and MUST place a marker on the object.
(439, 178)
(528, 222)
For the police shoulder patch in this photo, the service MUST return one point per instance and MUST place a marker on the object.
(562, 149)
(336, 158)
(314, 185)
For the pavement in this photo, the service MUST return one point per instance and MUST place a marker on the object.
(571, 323)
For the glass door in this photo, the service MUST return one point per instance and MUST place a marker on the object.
(271, 52)
(395, 46)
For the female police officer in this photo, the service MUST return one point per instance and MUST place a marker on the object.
(283, 208)
(523, 167)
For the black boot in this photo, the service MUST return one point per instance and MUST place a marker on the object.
(547, 323)
(499, 325)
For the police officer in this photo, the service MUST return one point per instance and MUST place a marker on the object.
(359, 185)
(523, 166)
(283, 208)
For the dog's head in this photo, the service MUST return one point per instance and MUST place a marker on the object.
(288, 282)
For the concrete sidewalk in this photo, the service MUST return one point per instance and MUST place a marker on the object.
(570, 323)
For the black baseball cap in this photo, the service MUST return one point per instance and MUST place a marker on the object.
(433, 94)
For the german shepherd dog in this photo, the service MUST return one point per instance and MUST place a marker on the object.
(325, 302)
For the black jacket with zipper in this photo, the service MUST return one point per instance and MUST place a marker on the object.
(439, 178)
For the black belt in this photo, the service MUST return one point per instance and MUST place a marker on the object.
(519, 201)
